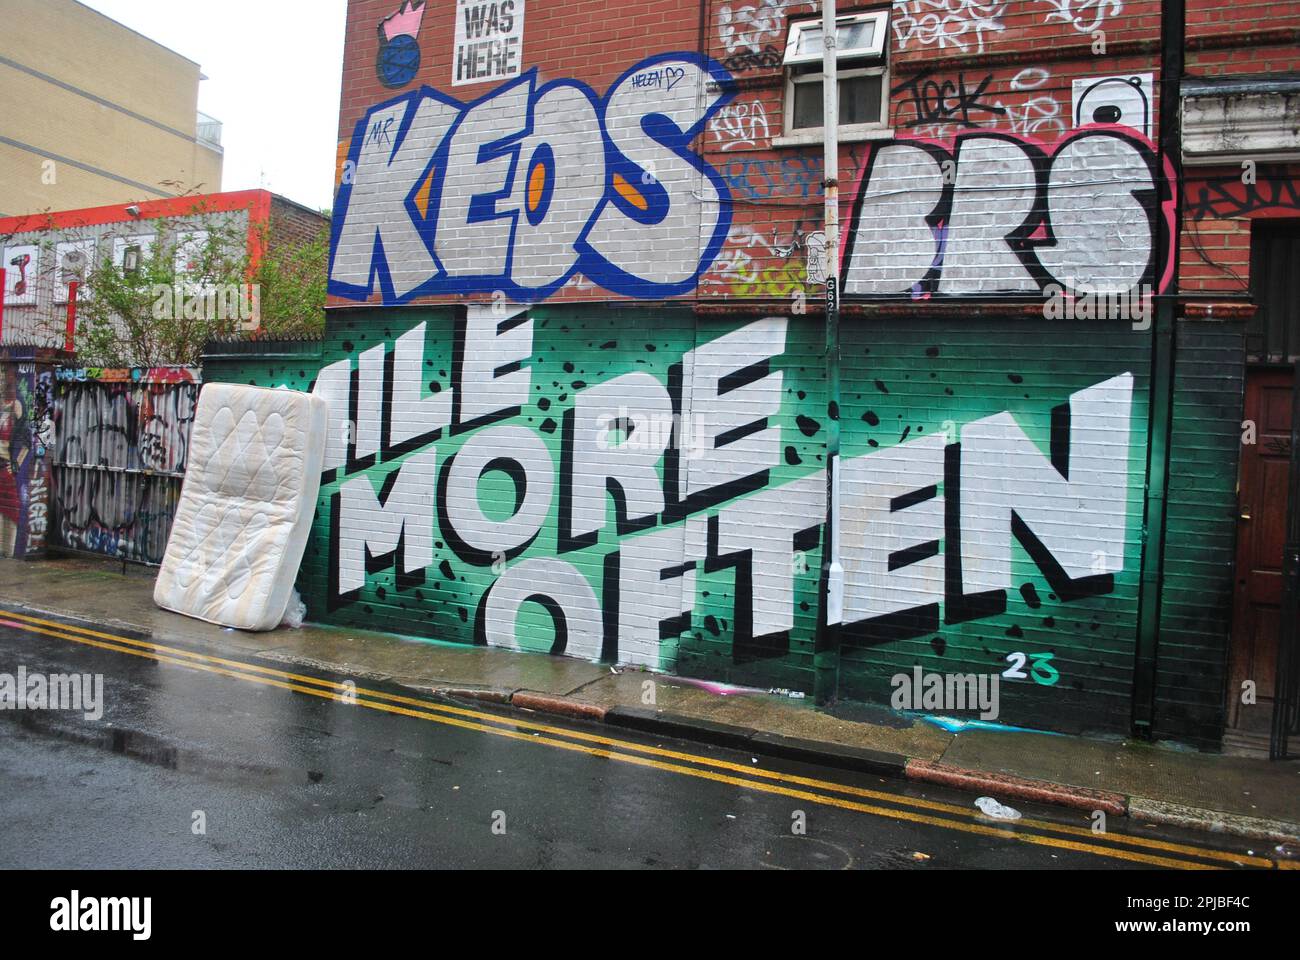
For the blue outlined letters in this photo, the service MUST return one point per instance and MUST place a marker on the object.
(531, 184)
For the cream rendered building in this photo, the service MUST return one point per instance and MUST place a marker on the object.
(93, 113)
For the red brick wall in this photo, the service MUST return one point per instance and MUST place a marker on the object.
(959, 68)
(589, 40)
(1235, 40)
(293, 225)
(1219, 210)
(1000, 68)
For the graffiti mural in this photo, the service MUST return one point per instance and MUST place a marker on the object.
(121, 450)
(992, 213)
(1122, 99)
(966, 26)
(507, 196)
(768, 59)
(583, 411)
(1222, 197)
(928, 409)
(926, 99)
(748, 28)
(41, 403)
(399, 45)
(955, 25)
(650, 490)
(937, 106)
(511, 193)
(754, 264)
(15, 460)
(15, 449)
(25, 433)
(740, 125)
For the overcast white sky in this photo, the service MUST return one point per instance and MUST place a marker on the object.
(274, 69)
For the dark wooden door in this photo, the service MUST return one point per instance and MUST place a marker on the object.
(1262, 498)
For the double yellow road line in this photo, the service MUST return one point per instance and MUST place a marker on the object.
(1079, 839)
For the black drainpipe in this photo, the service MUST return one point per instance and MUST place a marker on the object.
(1168, 150)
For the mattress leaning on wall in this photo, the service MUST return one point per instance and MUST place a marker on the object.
(246, 506)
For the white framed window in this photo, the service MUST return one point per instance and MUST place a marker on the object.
(863, 78)
(856, 35)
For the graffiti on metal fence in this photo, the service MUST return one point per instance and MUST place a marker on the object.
(122, 445)
(125, 425)
(122, 515)
(24, 465)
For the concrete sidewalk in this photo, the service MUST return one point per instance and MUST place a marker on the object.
(1249, 797)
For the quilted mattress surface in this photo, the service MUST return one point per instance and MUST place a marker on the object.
(246, 506)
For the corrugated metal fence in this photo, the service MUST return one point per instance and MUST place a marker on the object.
(121, 449)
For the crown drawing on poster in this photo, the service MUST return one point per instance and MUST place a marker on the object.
(405, 22)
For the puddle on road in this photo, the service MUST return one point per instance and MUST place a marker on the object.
(159, 752)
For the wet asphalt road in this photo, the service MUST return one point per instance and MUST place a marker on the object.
(283, 779)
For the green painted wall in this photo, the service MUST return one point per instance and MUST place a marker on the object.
(1196, 613)
(921, 376)
(575, 348)
(904, 379)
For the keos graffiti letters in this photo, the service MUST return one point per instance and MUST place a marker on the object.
(525, 187)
